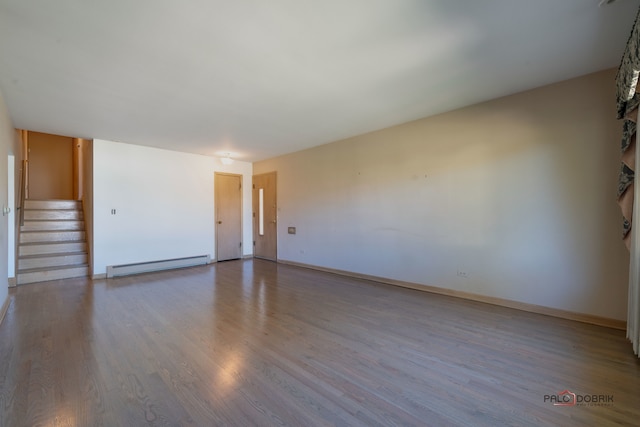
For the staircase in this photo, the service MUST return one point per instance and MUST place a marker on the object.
(53, 242)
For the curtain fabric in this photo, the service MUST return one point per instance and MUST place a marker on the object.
(627, 168)
(633, 312)
(628, 193)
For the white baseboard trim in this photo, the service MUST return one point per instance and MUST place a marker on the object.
(532, 308)
(155, 266)
(213, 261)
(99, 276)
(4, 309)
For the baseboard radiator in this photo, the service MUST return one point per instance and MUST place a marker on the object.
(151, 266)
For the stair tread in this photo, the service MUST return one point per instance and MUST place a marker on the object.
(53, 209)
(53, 243)
(73, 216)
(53, 220)
(28, 201)
(56, 268)
(53, 255)
(52, 225)
(50, 231)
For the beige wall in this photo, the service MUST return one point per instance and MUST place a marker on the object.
(512, 198)
(87, 192)
(50, 166)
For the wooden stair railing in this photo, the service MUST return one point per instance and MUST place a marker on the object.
(23, 189)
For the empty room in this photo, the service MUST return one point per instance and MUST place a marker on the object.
(351, 213)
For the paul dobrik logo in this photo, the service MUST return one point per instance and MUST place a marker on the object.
(568, 398)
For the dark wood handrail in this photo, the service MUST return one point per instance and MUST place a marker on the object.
(23, 189)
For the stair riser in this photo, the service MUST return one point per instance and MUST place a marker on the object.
(57, 261)
(51, 236)
(52, 204)
(43, 276)
(53, 225)
(57, 248)
(52, 215)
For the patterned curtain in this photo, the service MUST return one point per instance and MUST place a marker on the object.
(628, 166)
(627, 102)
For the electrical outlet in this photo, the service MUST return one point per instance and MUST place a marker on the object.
(462, 273)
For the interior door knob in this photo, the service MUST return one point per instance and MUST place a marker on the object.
(219, 222)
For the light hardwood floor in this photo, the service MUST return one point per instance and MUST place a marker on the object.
(246, 343)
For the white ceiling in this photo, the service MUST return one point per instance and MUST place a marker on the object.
(262, 78)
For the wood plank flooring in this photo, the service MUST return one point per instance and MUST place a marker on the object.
(246, 343)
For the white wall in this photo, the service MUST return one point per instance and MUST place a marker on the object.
(8, 145)
(164, 204)
(518, 194)
(11, 229)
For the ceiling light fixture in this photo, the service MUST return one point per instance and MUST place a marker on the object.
(226, 160)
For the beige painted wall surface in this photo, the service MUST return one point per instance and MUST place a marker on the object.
(87, 193)
(517, 194)
(50, 166)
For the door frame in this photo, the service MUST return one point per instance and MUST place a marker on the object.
(215, 213)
